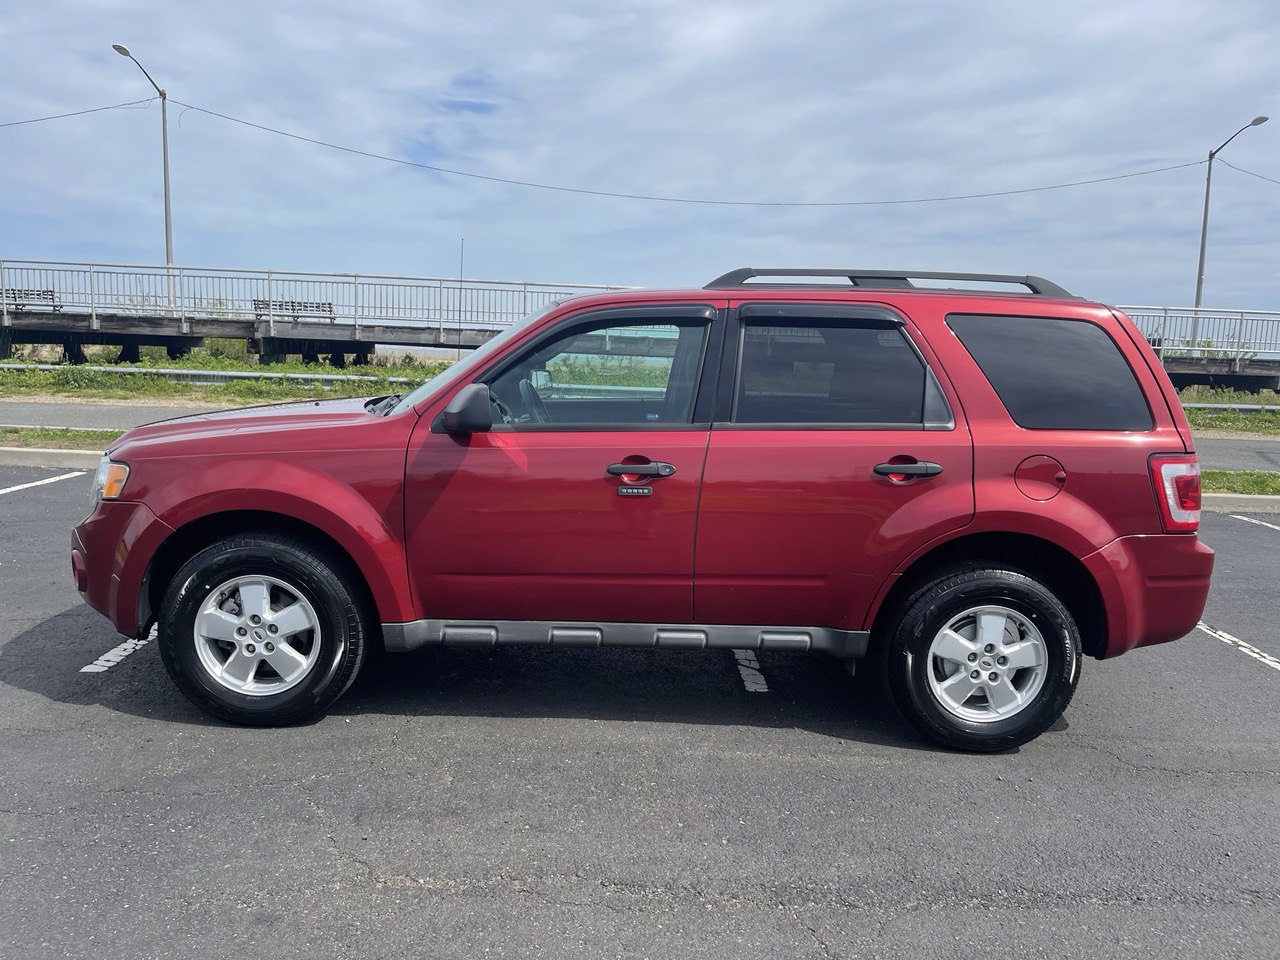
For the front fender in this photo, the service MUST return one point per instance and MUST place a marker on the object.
(363, 515)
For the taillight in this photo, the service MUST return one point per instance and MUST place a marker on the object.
(1177, 483)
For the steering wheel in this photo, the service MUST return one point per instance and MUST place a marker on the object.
(503, 410)
(533, 403)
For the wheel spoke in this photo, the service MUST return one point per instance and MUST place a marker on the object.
(292, 619)
(957, 688)
(1025, 653)
(1002, 696)
(951, 646)
(240, 668)
(255, 598)
(991, 626)
(286, 661)
(217, 625)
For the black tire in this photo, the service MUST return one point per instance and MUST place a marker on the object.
(310, 572)
(910, 628)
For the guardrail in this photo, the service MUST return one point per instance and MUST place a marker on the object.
(579, 390)
(206, 293)
(320, 379)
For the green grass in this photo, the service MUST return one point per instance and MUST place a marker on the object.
(1230, 419)
(56, 438)
(1240, 481)
(73, 381)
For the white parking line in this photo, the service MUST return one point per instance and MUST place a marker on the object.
(41, 483)
(749, 667)
(113, 656)
(1246, 648)
(1233, 516)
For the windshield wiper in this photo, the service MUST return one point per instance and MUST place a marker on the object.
(386, 404)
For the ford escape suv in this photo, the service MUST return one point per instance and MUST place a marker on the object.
(975, 488)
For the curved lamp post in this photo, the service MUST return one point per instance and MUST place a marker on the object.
(121, 49)
(1204, 223)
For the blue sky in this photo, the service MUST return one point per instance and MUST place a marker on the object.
(804, 101)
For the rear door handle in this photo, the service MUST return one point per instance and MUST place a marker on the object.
(922, 469)
(656, 469)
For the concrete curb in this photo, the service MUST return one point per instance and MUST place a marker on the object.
(45, 457)
(1240, 503)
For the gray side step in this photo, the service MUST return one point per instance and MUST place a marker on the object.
(402, 637)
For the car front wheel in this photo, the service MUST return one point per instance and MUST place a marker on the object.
(981, 657)
(263, 629)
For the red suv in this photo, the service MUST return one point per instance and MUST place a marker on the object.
(976, 488)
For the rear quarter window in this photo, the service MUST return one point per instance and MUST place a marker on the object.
(1055, 374)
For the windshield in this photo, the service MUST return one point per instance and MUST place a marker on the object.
(471, 361)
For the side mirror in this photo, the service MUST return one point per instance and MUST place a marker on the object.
(469, 410)
(540, 379)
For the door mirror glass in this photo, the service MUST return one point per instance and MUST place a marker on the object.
(469, 410)
(540, 379)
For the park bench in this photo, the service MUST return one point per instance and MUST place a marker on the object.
(26, 299)
(292, 309)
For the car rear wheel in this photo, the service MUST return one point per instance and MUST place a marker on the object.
(263, 629)
(981, 657)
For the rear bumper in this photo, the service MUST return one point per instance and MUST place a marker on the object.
(110, 551)
(1153, 587)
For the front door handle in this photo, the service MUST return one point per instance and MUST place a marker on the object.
(656, 469)
(922, 469)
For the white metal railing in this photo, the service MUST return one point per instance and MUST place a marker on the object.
(184, 293)
(203, 293)
(1176, 332)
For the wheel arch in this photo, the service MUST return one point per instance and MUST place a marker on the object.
(1054, 566)
(197, 534)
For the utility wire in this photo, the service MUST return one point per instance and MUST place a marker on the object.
(1249, 172)
(661, 199)
(77, 113)
(635, 196)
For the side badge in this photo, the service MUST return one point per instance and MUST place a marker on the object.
(625, 491)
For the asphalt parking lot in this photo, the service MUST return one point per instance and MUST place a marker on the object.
(562, 803)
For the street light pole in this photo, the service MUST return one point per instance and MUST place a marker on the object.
(1204, 223)
(121, 49)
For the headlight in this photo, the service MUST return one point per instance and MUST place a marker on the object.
(108, 482)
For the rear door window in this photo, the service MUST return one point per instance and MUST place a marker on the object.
(1055, 374)
(816, 370)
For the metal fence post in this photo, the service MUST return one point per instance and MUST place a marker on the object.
(355, 301)
(185, 324)
(1240, 339)
(4, 298)
(93, 307)
(271, 308)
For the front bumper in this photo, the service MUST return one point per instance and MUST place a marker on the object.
(110, 552)
(1153, 587)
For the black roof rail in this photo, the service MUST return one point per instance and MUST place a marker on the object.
(900, 279)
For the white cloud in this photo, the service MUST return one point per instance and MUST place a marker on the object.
(806, 101)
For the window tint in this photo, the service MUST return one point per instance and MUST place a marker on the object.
(823, 371)
(1055, 374)
(611, 374)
